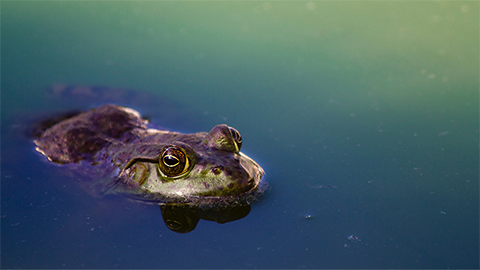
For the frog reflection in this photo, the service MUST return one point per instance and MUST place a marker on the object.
(112, 146)
(184, 218)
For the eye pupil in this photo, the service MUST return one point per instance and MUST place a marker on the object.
(170, 161)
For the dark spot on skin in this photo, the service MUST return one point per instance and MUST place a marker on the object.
(93, 145)
(206, 185)
(113, 122)
(84, 143)
(228, 171)
(231, 185)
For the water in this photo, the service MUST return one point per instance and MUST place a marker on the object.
(364, 116)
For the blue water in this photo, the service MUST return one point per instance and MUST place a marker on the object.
(364, 116)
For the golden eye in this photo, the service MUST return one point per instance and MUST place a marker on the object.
(236, 137)
(173, 161)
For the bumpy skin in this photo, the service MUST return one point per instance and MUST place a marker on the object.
(112, 145)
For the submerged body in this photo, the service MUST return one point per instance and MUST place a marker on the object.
(113, 146)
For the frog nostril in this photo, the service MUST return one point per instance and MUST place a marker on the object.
(217, 170)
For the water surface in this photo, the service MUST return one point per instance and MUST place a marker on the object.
(364, 116)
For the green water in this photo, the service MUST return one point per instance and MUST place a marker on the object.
(379, 99)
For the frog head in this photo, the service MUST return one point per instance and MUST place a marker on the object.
(191, 167)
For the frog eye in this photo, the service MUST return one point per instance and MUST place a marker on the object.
(236, 138)
(173, 161)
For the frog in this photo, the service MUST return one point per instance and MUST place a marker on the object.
(97, 137)
(114, 145)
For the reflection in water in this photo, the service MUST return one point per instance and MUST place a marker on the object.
(184, 218)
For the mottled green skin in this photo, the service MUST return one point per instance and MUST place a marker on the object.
(113, 146)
